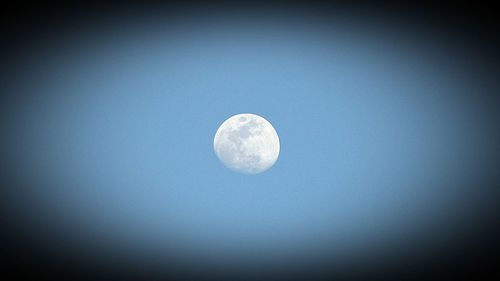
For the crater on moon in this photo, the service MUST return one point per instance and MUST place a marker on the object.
(247, 143)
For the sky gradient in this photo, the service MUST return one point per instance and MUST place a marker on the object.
(381, 142)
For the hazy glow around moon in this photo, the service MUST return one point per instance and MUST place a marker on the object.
(247, 143)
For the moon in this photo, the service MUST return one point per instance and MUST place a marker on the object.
(247, 143)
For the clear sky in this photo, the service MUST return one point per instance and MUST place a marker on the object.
(377, 140)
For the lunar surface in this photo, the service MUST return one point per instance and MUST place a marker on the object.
(247, 143)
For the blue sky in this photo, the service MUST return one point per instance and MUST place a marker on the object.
(375, 144)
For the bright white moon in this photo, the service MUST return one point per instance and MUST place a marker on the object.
(247, 143)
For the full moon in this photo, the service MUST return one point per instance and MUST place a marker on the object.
(247, 143)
